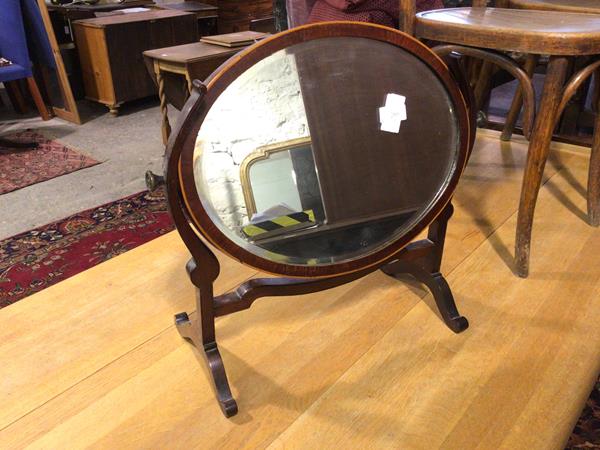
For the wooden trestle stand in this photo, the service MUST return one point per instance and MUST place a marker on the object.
(421, 259)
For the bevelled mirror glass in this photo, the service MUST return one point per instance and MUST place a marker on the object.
(326, 151)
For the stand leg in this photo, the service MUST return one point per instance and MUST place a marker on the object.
(427, 271)
(202, 334)
(439, 288)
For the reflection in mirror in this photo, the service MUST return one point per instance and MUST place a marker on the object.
(319, 160)
(281, 189)
(262, 107)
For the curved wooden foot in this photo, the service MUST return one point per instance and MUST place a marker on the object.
(444, 300)
(215, 364)
(439, 288)
(153, 180)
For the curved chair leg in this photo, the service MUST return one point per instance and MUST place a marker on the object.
(517, 102)
(593, 191)
(537, 155)
(507, 64)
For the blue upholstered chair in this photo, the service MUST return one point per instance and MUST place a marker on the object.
(14, 45)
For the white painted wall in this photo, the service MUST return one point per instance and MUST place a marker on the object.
(263, 106)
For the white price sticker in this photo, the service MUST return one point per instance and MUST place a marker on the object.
(393, 113)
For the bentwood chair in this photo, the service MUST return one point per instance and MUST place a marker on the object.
(485, 32)
(577, 6)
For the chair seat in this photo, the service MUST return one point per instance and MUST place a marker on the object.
(13, 72)
(527, 31)
(579, 6)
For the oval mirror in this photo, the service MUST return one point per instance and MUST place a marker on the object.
(324, 150)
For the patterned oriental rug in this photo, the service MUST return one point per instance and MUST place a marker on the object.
(50, 160)
(37, 259)
(586, 434)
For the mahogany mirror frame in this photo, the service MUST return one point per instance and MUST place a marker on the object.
(421, 258)
(183, 141)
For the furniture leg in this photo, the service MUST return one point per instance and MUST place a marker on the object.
(568, 120)
(536, 159)
(454, 61)
(166, 127)
(37, 99)
(201, 333)
(153, 180)
(189, 81)
(427, 271)
(593, 191)
(114, 109)
(482, 87)
(596, 93)
(517, 102)
(16, 97)
(440, 290)
(508, 65)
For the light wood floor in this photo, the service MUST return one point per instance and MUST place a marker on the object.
(96, 362)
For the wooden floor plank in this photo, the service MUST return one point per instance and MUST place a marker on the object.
(364, 364)
(56, 338)
(517, 378)
(94, 331)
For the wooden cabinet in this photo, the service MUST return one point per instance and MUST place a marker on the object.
(110, 50)
(237, 15)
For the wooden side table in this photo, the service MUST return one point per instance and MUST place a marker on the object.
(192, 61)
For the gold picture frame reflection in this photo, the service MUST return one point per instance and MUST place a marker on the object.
(261, 154)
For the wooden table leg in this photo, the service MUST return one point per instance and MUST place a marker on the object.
(166, 127)
(190, 82)
(539, 147)
(517, 103)
(593, 194)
